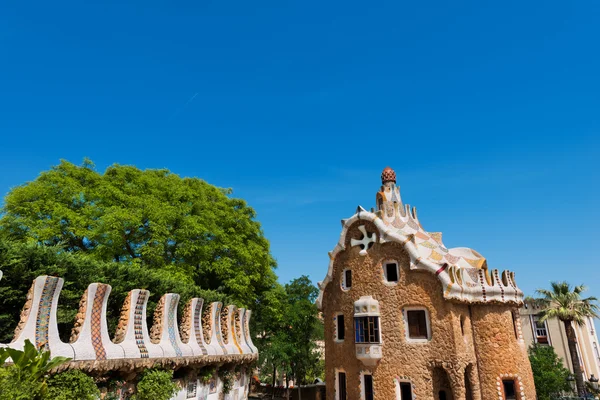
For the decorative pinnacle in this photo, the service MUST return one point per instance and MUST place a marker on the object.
(388, 175)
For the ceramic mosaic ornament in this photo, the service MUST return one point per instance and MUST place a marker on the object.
(463, 272)
(90, 339)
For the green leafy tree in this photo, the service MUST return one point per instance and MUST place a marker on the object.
(291, 347)
(72, 384)
(156, 384)
(549, 374)
(566, 303)
(131, 229)
(183, 225)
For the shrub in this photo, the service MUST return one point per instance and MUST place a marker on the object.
(72, 384)
(156, 384)
(18, 384)
(226, 376)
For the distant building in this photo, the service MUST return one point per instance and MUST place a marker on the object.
(552, 333)
(407, 318)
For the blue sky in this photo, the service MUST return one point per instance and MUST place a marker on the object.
(488, 111)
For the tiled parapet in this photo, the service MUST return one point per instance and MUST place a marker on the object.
(90, 339)
(191, 329)
(90, 345)
(246, 324)
(233, 346)
(217, 332)
(132, 332)
(240, 330)
(164, 330)
(38, 319)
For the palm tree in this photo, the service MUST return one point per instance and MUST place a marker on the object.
(565, 303)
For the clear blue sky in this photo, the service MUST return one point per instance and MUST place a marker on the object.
(488, 111)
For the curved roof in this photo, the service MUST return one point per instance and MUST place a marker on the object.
(462, 271)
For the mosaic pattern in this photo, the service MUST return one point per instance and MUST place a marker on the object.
(217, 325)
(197, 314)
(247, 329)
(137, 323)
(96, 322)
(171, 324)
(43, 315)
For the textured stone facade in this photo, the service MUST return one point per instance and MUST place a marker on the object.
(472, 343)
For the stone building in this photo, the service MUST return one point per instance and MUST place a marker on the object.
(407, 318)
(552, 333)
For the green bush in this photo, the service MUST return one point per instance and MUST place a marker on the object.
(72, 384)
(18, 384)
(156, 384)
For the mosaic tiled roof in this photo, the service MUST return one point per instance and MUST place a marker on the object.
(463, 271)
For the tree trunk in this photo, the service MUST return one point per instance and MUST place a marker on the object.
(572, 341)
(273, 385)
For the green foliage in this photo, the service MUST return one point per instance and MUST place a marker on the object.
(549, 374)
(72, 384)
(156, 384)
(291, 346)
(132, 229)
(17, 384)
(185, 225)
(26, 378)
(565, 303)
(226, 376)
(36, 363)
(205, 374)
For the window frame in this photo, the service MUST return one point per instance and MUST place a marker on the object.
(344, 283)
(385, 272)
(338, 386)
(534, 326)
(376, 329)
(364, 386)
(405, 312)
(337, 327)
(401, 383)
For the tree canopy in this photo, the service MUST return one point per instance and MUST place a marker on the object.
(549, 374)
(151, 218)
(290, 345)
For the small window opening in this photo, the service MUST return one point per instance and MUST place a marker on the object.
(509, 389)
(347, 279)
(417, 324)
(541, 330)
(391, 272)
(368, 379)
(462, 324)
(341, 331)
(366, 329)
(405, 391)
(342, 385)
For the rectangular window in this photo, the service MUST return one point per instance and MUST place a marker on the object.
(368, 384)
(417, 324)
(341, 329)
(342, 385)
(366, 329)
(541, 330)
(509, 389)
(391, 272)
(348, 279)
(405, 391)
